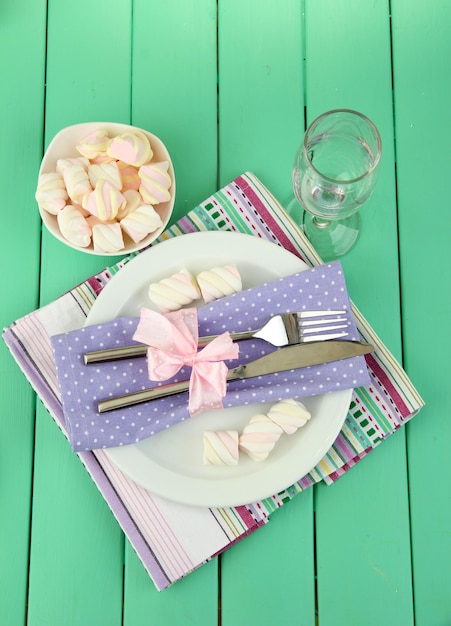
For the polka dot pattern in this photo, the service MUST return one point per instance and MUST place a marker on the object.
(83, 386)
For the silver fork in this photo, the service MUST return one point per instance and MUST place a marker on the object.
(285, 329)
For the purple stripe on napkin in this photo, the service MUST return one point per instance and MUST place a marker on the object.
(83, 386)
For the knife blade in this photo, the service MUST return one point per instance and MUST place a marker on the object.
(283, 359)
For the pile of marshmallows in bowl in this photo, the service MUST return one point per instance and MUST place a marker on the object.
(108, 191)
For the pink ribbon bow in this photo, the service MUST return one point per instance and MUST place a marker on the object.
(172, 343)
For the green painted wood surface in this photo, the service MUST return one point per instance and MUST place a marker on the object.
(261, 95)
(21, 115)
(274, 564)
(421, 56)
(193, 600)
(359, 555)
(175, 89)
(224, 84)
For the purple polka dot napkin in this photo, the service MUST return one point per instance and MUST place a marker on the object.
(83, 386)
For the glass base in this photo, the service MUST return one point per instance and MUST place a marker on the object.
(331, 239)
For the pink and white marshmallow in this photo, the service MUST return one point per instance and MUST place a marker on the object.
(73, 226)
(104, 201)
(133, 200)
(77, 182)
(129, 176)
(289, 415)
(107, 237)
(62, 164)
(141, 222)
(105, 171)
(219, 282)
(131, 147)
(155, 182)
(51, 194)
(174, 292)
(220, 447)
(95, 144)
(259, 437)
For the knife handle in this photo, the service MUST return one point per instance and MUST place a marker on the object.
(154, 393)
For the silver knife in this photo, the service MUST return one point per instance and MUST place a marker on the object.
(283, 359)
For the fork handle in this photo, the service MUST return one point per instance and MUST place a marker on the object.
(120, 402)
(140, 349)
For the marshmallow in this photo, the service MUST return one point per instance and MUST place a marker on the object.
(259, 437)
(219, 282)
(105, 171)
(289, 415)
(94, 145)
(77, 182)
(104, 201)
(107, 237)
(131, 147)
(51, 194)
(141, 222)
(103, 158)
(61, 164)
(133, 200)
(220, 447)
(73, 226)
(174, 292)
(155, 182)
(129, 175)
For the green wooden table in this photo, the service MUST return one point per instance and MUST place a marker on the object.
(229, 86)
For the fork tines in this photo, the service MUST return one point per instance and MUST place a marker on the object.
(313, 324)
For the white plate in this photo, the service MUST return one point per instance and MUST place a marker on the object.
(170, 464)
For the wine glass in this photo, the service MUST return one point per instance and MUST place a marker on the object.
(334, 173)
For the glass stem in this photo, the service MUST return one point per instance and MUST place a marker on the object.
(320, 223)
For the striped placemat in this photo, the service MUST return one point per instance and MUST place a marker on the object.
(173, 539)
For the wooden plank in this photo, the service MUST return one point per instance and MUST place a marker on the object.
(421, 55)
(74, 535)
(262, 573)
(260, 122)
(174, 91)
(363, 549)
(74, 538)
(261, 107)
(192, 601)
(21, 107)
(174, 96)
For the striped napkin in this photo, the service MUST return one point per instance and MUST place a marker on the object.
(169, 549)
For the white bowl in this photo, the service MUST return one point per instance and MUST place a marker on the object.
(64, 144)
